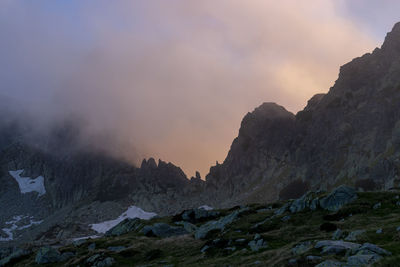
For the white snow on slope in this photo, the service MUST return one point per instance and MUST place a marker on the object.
(205, 207)
(132, 212)
(27, 184)
(13, 226)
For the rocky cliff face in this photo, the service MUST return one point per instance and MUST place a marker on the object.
(348, 136)
(82, 185)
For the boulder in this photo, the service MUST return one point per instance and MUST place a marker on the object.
(163, 230)
(218, 225)
(331, 263)
(338, 198)
(126, 226)
(302, 248)
(354, 235)
(368, 248)
(13, 256)
(337, 234)
(47, 255)
(330, 243)
(377, 206)
(256, 245)
(106, 262)
(283, 209)
(199, 215)
(116, 249)
(187, 226)
(66, 256)
(307, 201)
(362, 260)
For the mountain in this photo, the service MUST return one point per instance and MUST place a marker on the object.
(55, 184)
(65, 185)
(351, 135)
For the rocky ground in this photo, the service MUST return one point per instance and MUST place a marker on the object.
(341, 228)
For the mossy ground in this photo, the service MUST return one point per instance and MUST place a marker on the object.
(280, 236)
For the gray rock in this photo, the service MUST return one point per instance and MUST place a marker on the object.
(197, 215)
(163, 230)
(187, 226)
(372, 249)
(338, 198)
(362, 260)
(302, 248)
(286, 218)
(257, 236)
(220, 224)
(106, 262)
(313, 259)
(331, 263)
(205, 248)
(66, 256)
(398, 229)
(93, 258)
(283, 209)
(79, 242)
(292, 262)
(305, 202)
(47, 255)
(337, 234)
(116, 249)
(377, 206)
(126, 226)
(330, 243)
(354, 235)
(379, 231)
(92, 247)
(14, 255)
(335, 250)
(256, 245)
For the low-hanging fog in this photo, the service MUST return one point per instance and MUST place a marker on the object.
(170, 79)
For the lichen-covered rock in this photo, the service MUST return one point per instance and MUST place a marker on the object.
(47, 255)
(338, 198)
(163, 230)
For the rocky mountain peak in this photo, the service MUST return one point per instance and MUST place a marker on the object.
(392, 40)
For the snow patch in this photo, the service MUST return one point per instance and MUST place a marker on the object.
(205, 207)
(132, 212)
(27, 185)
(16, 219)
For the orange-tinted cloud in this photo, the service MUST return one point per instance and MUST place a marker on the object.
(174, 78)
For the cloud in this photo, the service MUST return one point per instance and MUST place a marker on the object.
(172, 78)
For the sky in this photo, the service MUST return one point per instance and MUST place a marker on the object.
(173, 79)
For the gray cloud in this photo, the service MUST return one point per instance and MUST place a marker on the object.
(170, 79)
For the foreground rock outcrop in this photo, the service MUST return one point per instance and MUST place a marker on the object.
(242, 236)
